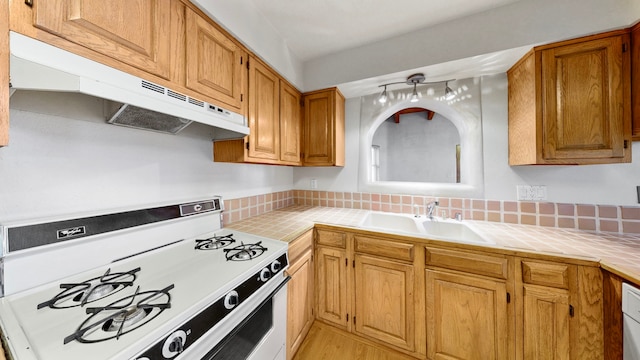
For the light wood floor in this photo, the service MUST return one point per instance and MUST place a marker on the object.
(326, 342)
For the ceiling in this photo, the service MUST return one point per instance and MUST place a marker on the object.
(313, 28)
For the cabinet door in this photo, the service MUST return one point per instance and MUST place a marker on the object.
(215, 63)
(466, 317)
(290, 123)
(584, 96)
(264, 95)
(323, 129)
(300, 301)
(135, 32)
(331, 286)
(546, 323)
(384, 303)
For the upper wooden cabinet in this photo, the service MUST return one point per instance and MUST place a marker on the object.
(274, 122)
(132, 31)
(215, 64)
(290, 124)
(264, 113)
(635, 79)
(323, 129)
(569, 102)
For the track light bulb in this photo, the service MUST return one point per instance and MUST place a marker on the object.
(448, 93)
(383, 97)
(414, 96)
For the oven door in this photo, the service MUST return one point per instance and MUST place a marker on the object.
(256, 332)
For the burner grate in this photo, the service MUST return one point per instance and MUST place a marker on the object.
(215, 242)
(244, 252)
(80, 294)
(121, 316)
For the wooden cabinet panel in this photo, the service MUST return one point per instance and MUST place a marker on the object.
(264, 95)
(331, 238)
(388, 248)
(466, 317)
(635, 79)
(331, 286)
(4, 73)
(300, 300)
(583, 100)
(475, 263)
(384, 301)
(132, 31)
(547, 327)
(323, 139)
(546, 274)
(569, 102)
(215, 63)
(290, 124)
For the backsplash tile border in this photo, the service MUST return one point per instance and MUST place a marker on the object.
(588, 217)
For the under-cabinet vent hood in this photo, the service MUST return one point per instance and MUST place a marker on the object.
(145, 105)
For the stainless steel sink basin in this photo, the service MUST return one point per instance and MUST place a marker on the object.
(438, 229)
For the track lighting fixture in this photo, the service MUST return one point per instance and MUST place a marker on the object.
(414, 80)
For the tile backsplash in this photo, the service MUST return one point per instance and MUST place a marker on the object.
(601, 218)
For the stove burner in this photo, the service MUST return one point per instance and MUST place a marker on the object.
(215, 242)
(245, 252)
(122, 316)
(79, 294)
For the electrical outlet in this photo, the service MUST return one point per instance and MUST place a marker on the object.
(314, 184)
(531, 192)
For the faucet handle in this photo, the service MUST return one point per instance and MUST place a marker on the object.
(459, 216)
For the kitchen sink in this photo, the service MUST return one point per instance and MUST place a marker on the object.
(438, 229)
(452, 230)
(392, 223)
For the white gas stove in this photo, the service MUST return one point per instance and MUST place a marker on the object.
(161, 283)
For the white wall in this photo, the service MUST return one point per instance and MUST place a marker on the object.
(71, 161)
(591, 184)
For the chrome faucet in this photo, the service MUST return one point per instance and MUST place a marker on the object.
(431, 208)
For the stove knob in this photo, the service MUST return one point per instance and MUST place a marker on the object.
(231, 300)
(265, 274)
(174, 345)
(275, 266)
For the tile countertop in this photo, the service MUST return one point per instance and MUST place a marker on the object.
(617, 253)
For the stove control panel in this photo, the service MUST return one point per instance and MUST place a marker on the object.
(176, 342)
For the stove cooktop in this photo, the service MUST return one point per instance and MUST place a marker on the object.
(94, 312)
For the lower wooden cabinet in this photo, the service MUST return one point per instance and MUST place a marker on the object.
(441, 302)
(467, 315)
(384, 301)
(367, 286)
(547, 325)
(331, 286)
(300, 292)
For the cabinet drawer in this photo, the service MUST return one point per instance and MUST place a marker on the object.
(545, 274)
(331, 238)
(386, 248)
(300, 245)
(480, 264)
